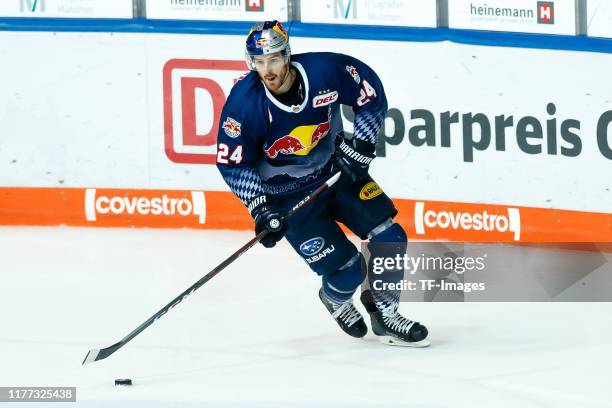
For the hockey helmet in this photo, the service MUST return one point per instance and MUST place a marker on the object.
(267, 38)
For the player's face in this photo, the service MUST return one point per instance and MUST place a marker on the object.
(271, 69)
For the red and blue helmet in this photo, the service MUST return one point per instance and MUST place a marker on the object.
(267, 38)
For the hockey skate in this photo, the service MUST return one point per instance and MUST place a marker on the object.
(346, 315)
(391, 327)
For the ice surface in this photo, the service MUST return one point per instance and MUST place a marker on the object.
(257, 335)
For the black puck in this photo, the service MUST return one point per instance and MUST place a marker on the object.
(123, 381)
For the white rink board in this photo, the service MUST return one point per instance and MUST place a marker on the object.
(599, 20)
(420, 13)
(531, 16)
(80, 118)
(67, 8)
(93, 116)
(447, 77)
(230, 10)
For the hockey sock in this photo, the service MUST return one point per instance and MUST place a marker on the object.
(388, 243)
(339, 286)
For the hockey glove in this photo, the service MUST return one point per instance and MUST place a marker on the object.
(267, 217)
(353, 158)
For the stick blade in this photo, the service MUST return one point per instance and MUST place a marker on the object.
(101, 354)
(92, 355)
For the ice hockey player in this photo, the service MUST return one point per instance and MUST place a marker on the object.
(280, 137)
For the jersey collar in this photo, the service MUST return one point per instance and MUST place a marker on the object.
(294, 108)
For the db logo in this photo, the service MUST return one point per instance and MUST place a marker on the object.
(194, 94)
(546, 12)
(465, 221)
(171, 206)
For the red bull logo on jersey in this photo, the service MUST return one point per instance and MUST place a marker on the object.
(300, 141)
(353, 72)
(231, 127)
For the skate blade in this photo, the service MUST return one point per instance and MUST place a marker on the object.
(392, 341)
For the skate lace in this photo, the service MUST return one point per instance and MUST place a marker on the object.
(398, 323)
(347, 313)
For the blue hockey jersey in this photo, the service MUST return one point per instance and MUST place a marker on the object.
(266, 147)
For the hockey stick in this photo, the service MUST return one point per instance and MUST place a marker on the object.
(100, 354)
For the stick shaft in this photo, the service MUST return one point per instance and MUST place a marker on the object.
(95, 355)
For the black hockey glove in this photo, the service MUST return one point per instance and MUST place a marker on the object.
(353, 158)
(267, 217)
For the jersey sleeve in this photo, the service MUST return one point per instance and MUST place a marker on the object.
(362, 89)
(237, 156)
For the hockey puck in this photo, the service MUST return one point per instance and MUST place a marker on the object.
(123, 381)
